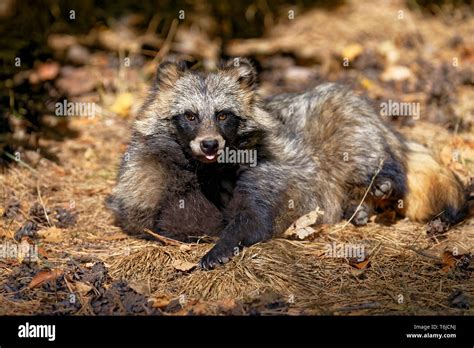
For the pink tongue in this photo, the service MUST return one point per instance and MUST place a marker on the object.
(210, 157)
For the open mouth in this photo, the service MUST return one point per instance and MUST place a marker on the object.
(208, 158)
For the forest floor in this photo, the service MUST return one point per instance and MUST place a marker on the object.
(54, 200)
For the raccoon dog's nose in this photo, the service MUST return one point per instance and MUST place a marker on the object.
(209, 146)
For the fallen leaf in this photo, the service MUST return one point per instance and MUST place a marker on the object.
(60, 42)
(226, 304)
(450, 261)
(122, 104)
(360, 265)
(44, 276)
(389, 51)
(89, 154)
(78, 55)
(200, 308)
(76, 81)
(82, 288)
(121, 38)
(366, 83)
(47, 71)
(183, 266)
(436, 227)
(160, 301)
(51, 234)
(352, 51)
(301, 227)
(230, 306)
(43, 252)
(396, 73)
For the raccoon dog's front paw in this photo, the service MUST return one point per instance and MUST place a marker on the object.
(382, 188)
(359, 217)
(221, 253)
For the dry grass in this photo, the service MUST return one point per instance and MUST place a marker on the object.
(403, 262)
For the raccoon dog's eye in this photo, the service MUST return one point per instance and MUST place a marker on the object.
(190, 116)
(222, 116)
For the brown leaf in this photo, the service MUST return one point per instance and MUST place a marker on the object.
(450, 261)
(76, 81)
(230, 306)
(396, 73)
(183, 266)
(301, 228)
(122, 104)
(51, 234)
(389, 51)
(352, 51)
(42, 251)
(198, 308)
(436, 227)
(82, 288)
(226, 305)
(160, 301)
(60, 42)
(44, 276)
(360, 265)
(47, 71)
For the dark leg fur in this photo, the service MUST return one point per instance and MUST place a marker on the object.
(452, 215)
(250, 214)
(388, 187)
(391, 182)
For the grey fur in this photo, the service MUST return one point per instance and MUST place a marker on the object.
(319, 148)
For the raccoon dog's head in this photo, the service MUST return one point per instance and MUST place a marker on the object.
(209, 111)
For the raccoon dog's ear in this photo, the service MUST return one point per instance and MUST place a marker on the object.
(243, 70)
(169, 72)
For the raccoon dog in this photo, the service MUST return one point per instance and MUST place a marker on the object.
(321, 148)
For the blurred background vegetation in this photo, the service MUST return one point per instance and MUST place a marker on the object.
(40, 38)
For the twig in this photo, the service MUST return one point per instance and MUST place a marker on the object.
(423, 253)
(165, 240)
(23, 163)
(365, 195)
(166, 45)
(42, 204)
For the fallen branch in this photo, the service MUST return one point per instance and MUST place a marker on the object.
(164, 240)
